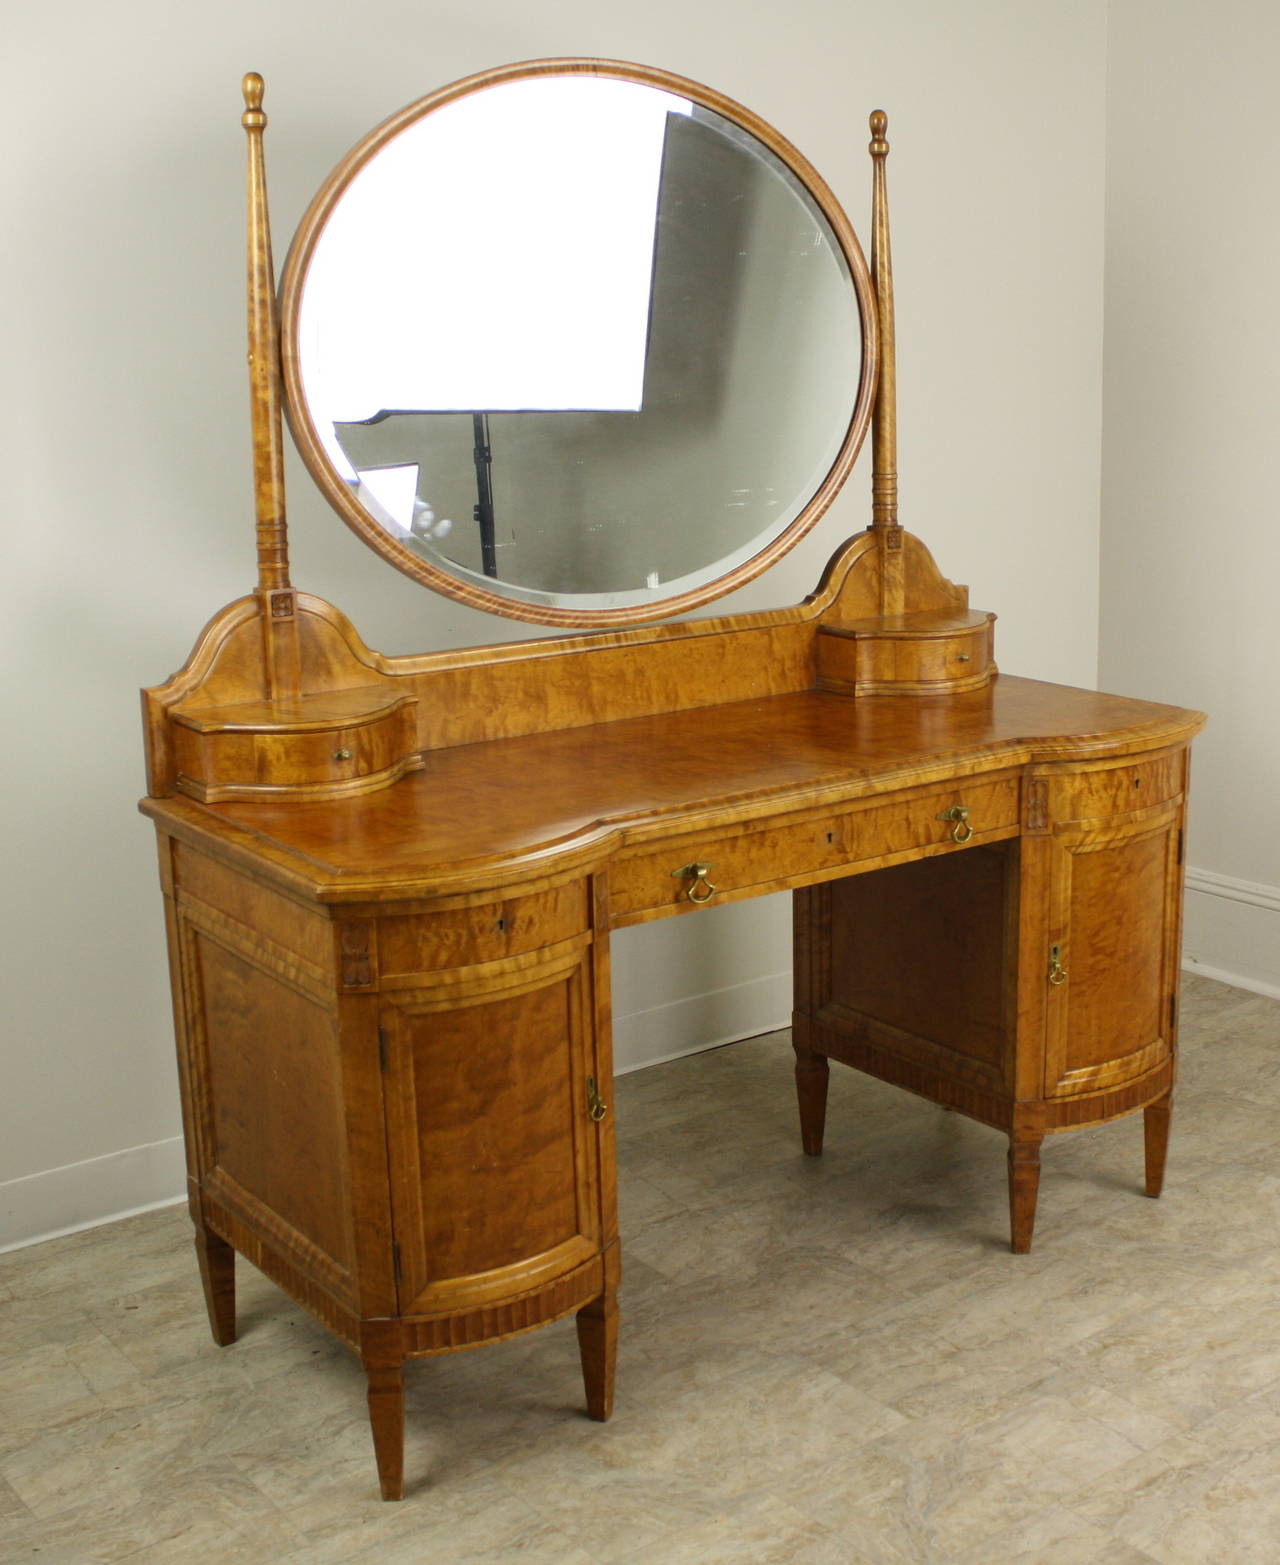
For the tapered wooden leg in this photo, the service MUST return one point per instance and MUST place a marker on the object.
(1024, 1187)
(598, 1346)
(218, 1274)
(1155, 1135)
(812, 1075)
(386, 1419)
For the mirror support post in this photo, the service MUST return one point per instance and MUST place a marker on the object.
(884, 428)
(277, 607)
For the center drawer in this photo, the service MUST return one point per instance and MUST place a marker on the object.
(710, 867)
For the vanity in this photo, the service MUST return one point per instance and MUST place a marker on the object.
(391, 882)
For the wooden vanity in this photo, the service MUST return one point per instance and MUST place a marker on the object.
(391, 882)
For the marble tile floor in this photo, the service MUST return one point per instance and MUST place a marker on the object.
(823, 1362)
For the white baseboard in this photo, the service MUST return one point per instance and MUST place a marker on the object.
(701, 1021)
(1236, 980)
(64, 1200)
(1232, 931)
(1251, 892)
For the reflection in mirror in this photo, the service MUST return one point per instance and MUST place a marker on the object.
(579, 339)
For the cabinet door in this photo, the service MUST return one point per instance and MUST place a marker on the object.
(1115, 895)
(495, 1155)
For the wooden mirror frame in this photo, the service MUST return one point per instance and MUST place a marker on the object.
(467, 591)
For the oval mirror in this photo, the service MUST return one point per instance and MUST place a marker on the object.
(578, 342)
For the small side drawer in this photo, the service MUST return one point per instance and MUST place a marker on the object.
(311, 747)
(819, 847)
(1102, 792)
(413, 943)
(907, 654)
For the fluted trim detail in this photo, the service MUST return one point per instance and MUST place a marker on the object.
(511, 1317)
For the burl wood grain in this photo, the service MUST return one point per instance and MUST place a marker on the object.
(275, 1111)
(495, 1158)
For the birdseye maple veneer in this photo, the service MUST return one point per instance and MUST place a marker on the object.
(391, 883)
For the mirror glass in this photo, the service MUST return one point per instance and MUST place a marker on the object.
(575, 342)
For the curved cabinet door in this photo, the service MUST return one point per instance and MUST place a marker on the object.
(495, 1153)
(1115, 896)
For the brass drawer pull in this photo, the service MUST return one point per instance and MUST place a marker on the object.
(342, 755)
(1057, 973)
(696, 875)
(597, 1108)
(958, 814)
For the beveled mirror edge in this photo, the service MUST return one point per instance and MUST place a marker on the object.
(470, 593)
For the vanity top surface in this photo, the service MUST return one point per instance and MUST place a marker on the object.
(543, 801)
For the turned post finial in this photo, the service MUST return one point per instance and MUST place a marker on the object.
(879, 123)
(252, 87)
